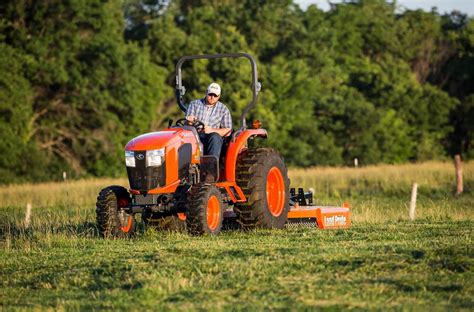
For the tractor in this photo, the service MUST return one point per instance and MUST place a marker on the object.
(166, 171)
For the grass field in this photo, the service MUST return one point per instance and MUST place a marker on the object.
(383, 262)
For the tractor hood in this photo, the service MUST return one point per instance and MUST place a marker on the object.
(152, 140)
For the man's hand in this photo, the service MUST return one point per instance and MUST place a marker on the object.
(191, 119)
(208, 129)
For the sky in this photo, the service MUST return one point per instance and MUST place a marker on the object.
(444, 6)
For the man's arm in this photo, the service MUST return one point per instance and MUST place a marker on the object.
(225, 125)
(221, 131)
(191, 112)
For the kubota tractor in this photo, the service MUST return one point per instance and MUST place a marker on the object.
(166, 169)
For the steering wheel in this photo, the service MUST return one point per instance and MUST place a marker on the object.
(196, 124)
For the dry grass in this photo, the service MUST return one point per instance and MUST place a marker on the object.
(433, 175)
(376, 193)
(73, 194)
(382, 193)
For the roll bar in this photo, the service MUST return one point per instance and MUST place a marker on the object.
(256, 85)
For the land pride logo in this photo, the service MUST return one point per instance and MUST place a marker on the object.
(335, 220)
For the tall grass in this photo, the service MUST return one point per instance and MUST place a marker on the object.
(437, 178)
(72, 194)
(386, 179)
(376, 194)
(382, 193)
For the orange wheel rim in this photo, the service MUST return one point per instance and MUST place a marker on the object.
(213, 212)
(127, 227)
(275, 191)
(126, 220)
(182, 216)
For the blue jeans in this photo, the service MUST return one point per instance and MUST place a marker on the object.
(212, 143)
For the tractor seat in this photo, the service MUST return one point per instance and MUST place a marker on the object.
(225, 147)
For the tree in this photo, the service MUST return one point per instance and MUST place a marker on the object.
(91, 90)
(362, 80)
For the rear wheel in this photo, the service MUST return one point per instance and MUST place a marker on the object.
(205, 210)
(112, 219)
(263, 177)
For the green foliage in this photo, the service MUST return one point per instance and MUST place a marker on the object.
(21, 158)
(361, 80)
(16, 113)
(90, 91)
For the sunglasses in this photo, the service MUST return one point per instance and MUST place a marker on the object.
(212, 95)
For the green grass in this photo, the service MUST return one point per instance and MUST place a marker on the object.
(383, 262)
(397, 264)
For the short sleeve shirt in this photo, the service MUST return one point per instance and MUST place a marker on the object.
(215, 116)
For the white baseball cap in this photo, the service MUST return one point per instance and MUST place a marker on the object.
(214, 88)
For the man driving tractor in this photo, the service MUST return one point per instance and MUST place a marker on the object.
(216, 119)
(178, 172)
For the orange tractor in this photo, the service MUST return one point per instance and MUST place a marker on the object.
(166, 169)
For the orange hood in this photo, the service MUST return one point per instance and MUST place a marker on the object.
(153, 140)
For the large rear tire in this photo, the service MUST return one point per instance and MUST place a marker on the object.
(205, 210)
(263, 177)
(112, 219)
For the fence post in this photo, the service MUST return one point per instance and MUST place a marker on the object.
(458, 168)
(414, 192)
(28, 215)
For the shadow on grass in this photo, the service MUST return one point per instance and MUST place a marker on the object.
(113, 276)
(412, 286)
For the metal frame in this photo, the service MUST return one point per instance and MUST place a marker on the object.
(256, 85)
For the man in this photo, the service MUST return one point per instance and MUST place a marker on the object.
(216, 118)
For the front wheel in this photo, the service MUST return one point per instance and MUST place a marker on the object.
(263, 177)
(112, 219)
(205, 210)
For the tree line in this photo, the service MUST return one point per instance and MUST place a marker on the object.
(81, 78)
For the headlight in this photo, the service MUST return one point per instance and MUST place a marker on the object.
(129, 158)
(154, 158)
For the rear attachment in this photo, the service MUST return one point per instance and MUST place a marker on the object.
(304, 213)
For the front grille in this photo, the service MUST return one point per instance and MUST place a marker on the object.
(145, 178)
